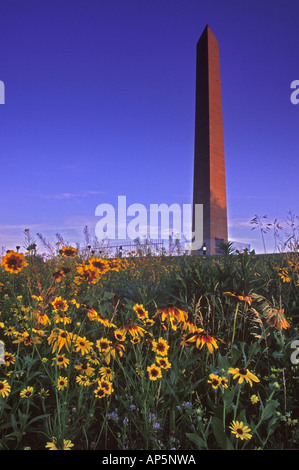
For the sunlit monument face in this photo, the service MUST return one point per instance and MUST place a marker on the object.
(209, 186)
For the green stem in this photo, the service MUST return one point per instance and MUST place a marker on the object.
(237, 403)
(234, 327)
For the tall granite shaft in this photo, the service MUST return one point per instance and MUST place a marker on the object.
(209, 186)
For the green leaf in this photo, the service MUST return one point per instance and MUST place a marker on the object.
(269, 409)
(219, 434)
(198, 441)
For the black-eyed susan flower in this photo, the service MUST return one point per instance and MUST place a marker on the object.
(214, 380)
(243, 374)
(106, 385)
(240, 430)
(61, 361)
(85, 368)
(60, 338)
(120, 334)
(61, 317)
(9, 359)
(100, 264)
(223, 382)
(83, 345)
(160, 347)
(200, 338)
(43, 393)
(106, 373)
(62, 382)
(170, 312)
(99, 392)
(83, 380)
(10, 331)
(154, 372)
(141, 312)
(14, 262)
(5, 388)
(26, 392)
(87, 273)
(59, 304)
(93, 358)
(189, 325)
(68, 251)
(104, 345)
(135, 330)
(42, 318)
(163, 362)
(66, 444)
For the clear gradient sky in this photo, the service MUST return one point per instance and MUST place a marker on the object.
(100, 102)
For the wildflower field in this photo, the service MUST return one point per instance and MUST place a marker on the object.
(148, 352)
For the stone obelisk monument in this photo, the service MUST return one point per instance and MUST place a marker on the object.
(209, 187)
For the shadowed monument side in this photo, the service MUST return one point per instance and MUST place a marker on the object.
(209, 186)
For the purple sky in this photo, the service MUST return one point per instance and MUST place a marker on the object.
(99, 102)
